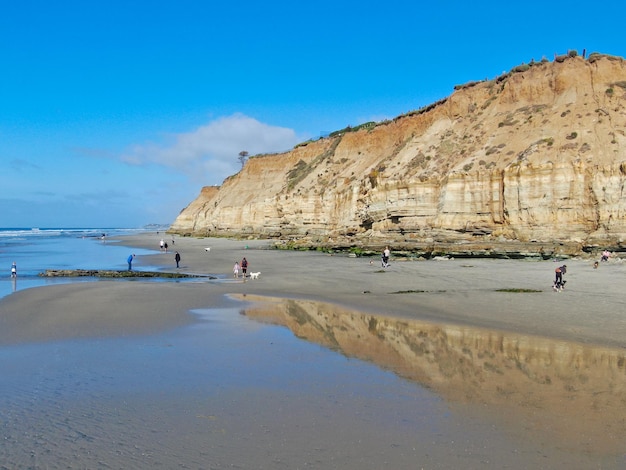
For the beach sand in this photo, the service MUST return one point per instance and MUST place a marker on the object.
(268, 427)
(592, 309)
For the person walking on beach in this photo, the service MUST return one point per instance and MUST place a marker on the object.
(385, 257)
(177, 258)
(236, 270)
(161, 244)
(130, 262)
(244, 267)
(558, 281)
(14, 269)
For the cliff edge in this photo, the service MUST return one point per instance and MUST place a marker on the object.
(532, 162)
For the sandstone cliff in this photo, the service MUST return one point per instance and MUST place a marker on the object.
(532, 161)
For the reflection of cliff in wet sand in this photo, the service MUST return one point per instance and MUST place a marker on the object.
(575, 393)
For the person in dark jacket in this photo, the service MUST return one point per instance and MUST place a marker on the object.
(385, 257)
(177, 258)
(559, 283)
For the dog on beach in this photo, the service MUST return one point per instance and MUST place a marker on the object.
(207, 248)
(558, 286)
(255, 275)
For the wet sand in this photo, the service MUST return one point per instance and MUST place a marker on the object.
(132, 379)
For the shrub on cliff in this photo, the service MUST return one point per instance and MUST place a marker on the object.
(520, 68)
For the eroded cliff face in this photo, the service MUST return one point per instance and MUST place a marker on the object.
(531, 160)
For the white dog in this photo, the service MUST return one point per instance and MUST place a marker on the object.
(255, 275)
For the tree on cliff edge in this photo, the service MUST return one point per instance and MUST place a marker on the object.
(243, 157)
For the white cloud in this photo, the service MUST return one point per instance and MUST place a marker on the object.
(210, 153)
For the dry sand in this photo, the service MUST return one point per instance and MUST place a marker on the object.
(455, 292)
(592, 308)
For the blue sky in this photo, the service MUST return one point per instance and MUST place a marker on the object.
(116, 113)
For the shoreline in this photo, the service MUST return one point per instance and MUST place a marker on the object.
(465, 292)
(458, 291)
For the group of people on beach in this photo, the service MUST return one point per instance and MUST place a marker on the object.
(606, 254)
(164, 246)
(558, 285)
(130, 259)
(560, 271)
(243, 266)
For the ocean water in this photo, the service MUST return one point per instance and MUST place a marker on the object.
(36, 249)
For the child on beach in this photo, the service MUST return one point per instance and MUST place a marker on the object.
(244, 267)
(13, 270)
(236, 270)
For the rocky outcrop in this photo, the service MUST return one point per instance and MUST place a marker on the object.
(113, 274)
(531, 162)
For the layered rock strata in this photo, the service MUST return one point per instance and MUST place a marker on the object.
(530, 163)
